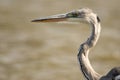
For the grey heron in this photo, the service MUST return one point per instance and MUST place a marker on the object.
(85, 15)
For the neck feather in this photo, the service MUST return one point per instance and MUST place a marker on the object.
(85, 65)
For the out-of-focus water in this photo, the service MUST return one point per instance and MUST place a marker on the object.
(30, 51)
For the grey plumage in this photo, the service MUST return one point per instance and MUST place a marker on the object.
(85, 15)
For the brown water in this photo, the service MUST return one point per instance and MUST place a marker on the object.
(30, 51)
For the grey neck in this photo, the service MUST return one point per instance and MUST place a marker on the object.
(86, 68)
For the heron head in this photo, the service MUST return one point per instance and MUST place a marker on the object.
(83, 14)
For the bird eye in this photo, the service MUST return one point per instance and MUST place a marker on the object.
(75, 14)
(69, 15)
(72, 15)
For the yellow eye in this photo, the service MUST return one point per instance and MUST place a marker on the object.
(72, 15)
(75, 14)
(69, 15)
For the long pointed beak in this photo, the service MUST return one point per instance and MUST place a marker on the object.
(54, 18)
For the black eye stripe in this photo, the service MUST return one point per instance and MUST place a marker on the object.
(98, 19)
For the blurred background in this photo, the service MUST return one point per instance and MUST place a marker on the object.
(38, 51)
